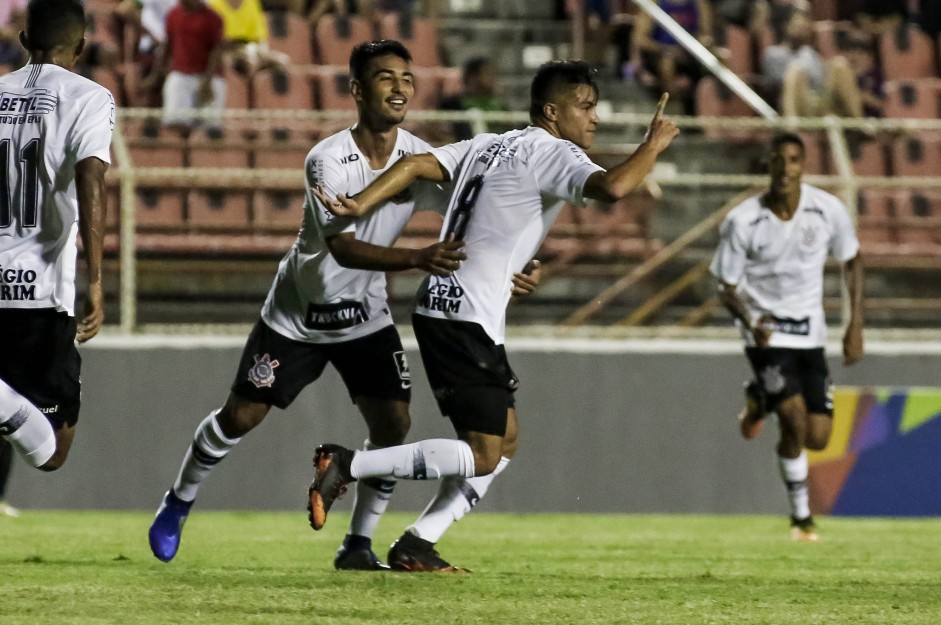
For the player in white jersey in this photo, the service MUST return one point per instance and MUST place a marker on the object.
(770, 263)
(508, 190)
(328, 304)
(55, 137)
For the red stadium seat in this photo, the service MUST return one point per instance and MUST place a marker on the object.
(159, 208)
(907, 53)
(154, 146)
(814, 160)
(869, 158)
(419, 35)
(918, 215)
(333, 89)
(218, 209)
(335, 36)
(278, 210)
(912, 99)
(428, 88)
(876, 224)
(216, 148)
(917, 156)
(237, 89)
(289, 33)
(282, 148)
(287, 89)
(716, 100)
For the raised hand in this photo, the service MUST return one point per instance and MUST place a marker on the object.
(662, 130)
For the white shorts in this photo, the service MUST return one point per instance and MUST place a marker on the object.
(179, 99)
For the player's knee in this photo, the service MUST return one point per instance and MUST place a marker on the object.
(485, 461)
(239, 417)
(55, 462)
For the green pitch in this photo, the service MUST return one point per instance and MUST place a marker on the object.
(68, 568)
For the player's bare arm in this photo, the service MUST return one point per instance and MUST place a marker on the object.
(728, 295)
(404, 172)
(440, 259)
(853, 337)
(527, 280)
(620, 180)
(90, 183)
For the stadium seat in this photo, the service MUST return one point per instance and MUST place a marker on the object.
(333, 89)
(237, 89)
(335, 36)
(278, 210)
(914, 156)
(907, 53)
(159, 208)
(419, 35)
(289, 33)
(918, 216)
(428, 88)
(875, 208)
(218, 209)
(154, 146)
(716, 100)
(288, 89)
(869, 158)
(814, 159)
(282, 148)
(830, 37)
(217, 148)
(912, 99)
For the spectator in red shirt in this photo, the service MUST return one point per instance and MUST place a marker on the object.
(192, 57)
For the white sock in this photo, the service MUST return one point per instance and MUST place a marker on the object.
(794, 473)
(209, 446)
(372, 499)
(456, 497)
(425, 460)
(25, 427)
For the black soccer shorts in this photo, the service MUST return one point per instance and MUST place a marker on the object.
(469, 374)
(784, 372)
(39, 361)
(275, 369)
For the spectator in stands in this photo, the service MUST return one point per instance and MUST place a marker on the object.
(316, 9)
(479, 92)
(192, 61)
(12, 21)
(795, 75)
(661, 62)
(881, 16)
(149, 17)
(246, 36)
(869, 80)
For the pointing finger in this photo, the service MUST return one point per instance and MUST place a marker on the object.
(662, 105)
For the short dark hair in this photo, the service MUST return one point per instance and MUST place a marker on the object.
(53, 23)
(365, 52)
(783, 138)
(473, 66)
(550, 76)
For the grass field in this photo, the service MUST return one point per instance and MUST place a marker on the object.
(95, 567)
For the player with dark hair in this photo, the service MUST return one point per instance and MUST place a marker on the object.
(508, 191)
(328, 304)
(55, 138)
(769, 263)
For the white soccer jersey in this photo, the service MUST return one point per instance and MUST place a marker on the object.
(316, 300)
(778, 265)
(508, 191)
(50, 119)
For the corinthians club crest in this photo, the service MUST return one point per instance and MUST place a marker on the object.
(262, 372)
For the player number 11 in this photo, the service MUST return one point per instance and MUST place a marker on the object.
(28, 165)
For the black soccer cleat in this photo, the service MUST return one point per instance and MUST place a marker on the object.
(358, 560)
(331, 475)
(412, 554)
(804, 530)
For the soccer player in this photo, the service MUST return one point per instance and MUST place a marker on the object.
(55, 138)
(769, 264)
(328, 304)
(508, 190)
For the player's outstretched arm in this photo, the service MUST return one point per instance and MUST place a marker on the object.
(617, 182)
(440, 259)
(90, 183)
(393, 181)
(853, 337)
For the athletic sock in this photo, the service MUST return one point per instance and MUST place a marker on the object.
(372, 499)
(425, 460)
(209, 447)
(25, 427)
(794, 473)
(456, 497)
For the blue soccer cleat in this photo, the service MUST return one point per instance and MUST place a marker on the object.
(167, 527)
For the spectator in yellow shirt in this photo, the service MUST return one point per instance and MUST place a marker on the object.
(246, 36)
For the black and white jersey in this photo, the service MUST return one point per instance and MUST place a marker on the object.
(315, 299)
(50, 119)
(508, 191)
(778, 265)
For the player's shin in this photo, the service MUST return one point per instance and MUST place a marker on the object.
(794, 472)
(372, 499)
(456, 497)
(425, 460)
(209, 447)
(25, 427)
